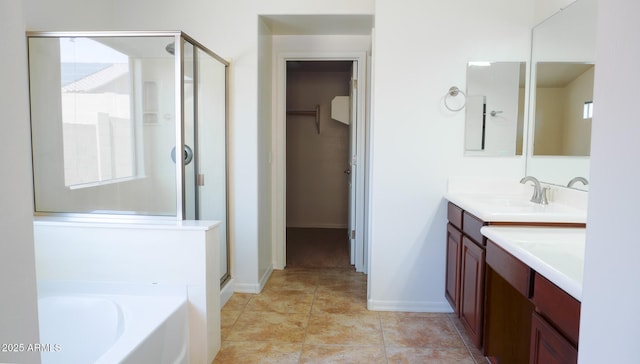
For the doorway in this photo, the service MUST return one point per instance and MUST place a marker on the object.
(318, 167)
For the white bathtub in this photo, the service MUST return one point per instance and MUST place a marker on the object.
(112, 323)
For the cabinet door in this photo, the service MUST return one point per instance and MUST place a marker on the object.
(454, 250)
(548, 346)
(472, 290)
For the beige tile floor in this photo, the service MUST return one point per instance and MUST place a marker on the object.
(321, 316)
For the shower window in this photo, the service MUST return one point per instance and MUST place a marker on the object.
(104, 123)
(96, 100)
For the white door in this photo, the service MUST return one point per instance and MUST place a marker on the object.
(352, 170)
(357, 164)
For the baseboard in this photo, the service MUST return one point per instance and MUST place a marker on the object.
(254, 287)
(247, 288)
(226, 292)
(403, 306)
(265, 277)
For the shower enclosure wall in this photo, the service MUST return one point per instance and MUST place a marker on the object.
(110, 110)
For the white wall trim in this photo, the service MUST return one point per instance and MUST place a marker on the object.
(279, 140)
(247, 288)
(226, 292)
(254, 287)
(408, 306)
(265, 277)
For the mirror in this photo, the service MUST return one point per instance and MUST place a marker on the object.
(561, 95)
(564, 108)
(494, 110)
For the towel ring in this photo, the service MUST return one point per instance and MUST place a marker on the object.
(453, 92)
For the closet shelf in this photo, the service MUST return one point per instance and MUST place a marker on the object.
(315, 112)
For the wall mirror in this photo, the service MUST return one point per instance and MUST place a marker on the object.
(561, 95)
(494, 110)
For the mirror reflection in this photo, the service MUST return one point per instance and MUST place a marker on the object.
(564, 108)
(494, 110)
(561, 95)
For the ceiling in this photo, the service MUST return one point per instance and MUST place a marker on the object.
(319, 24)
(559, 74)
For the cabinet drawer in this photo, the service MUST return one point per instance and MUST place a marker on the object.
(454, 215)
(471, 226)
(510, 268)
(558, 307)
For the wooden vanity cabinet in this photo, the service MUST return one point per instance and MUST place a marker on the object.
(464, 286)
(558, 307)
(472, 289)
(454, 255)
(555, 325)
(527, 317)
(508, 308)
(548, 345)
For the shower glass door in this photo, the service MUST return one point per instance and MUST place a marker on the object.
(205, 130)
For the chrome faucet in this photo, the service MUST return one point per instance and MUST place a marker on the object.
(539, 192)
(583, 180)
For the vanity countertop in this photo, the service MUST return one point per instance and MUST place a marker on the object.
(516, 208)
(555, 253)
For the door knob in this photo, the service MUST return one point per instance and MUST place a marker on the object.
(347, 171)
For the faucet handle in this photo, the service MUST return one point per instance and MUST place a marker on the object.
(543, 196)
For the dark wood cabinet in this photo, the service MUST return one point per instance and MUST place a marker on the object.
(527, 317)
(472, 289)
(507, 308)
(557, 306)
(464, 286)
(548, 346)
(494, 294)
(454, 256)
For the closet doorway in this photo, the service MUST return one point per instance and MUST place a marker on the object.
(319, 150)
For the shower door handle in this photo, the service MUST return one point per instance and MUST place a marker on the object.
(187, 154)
(199, 179)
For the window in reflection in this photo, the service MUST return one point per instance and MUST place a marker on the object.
(587, 113)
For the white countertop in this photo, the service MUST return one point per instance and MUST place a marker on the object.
(555, 253)
(515, 208)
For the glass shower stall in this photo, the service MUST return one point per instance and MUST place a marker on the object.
(129, 126)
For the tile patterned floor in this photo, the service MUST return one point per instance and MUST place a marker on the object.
(321, 316)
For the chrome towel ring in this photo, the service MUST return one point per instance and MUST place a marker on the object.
(453, 92)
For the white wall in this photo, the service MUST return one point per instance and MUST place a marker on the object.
(420, 50)
(545, 8)
(18, 310)
(610, 318)
(265, 154)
